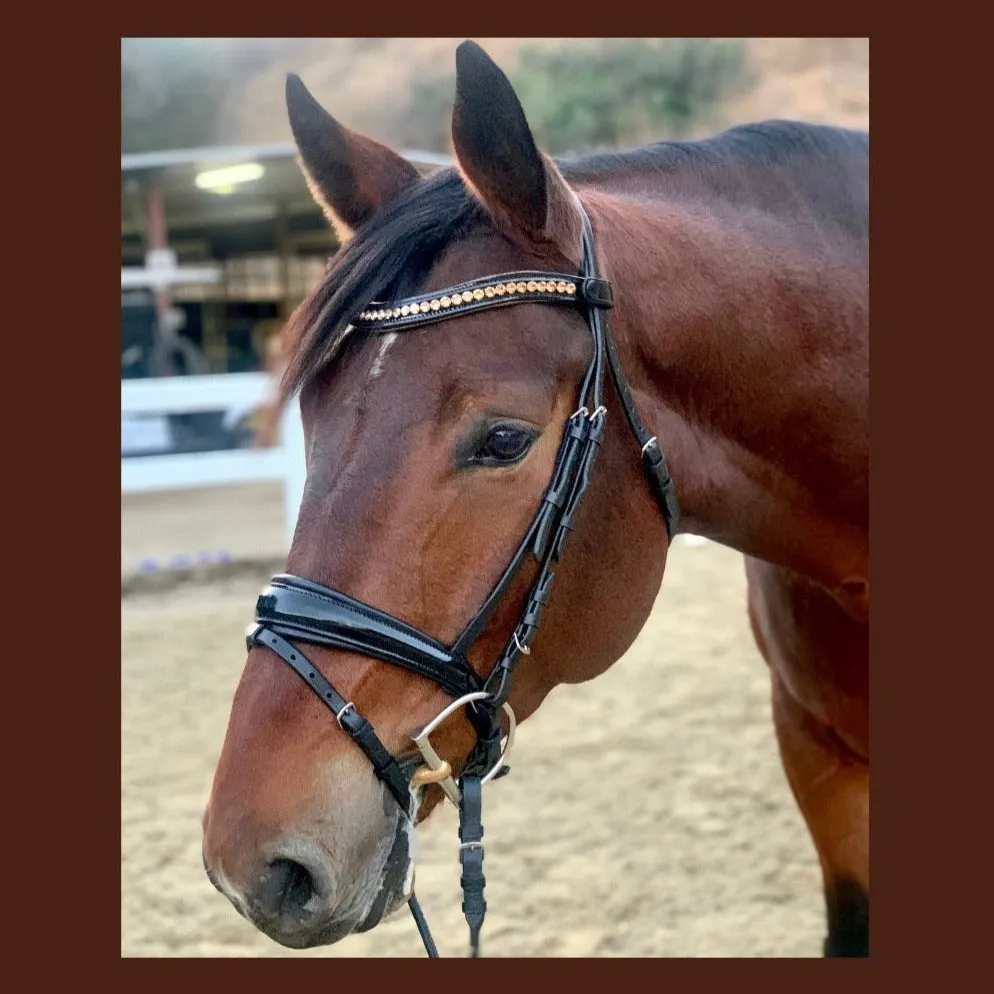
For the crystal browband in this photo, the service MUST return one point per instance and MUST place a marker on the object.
(481, 294)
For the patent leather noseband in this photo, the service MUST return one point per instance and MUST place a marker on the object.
(292, 609)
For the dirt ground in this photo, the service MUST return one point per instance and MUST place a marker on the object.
(646, 815)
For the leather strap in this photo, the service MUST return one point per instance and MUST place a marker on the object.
(483, 716)
(305, 610)
(653, 460)
(423, 930)
(485, 294)
(473, 882)
(384, 765)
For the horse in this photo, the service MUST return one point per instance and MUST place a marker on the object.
(450, 436)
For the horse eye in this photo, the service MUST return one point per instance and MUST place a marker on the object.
(505, 444)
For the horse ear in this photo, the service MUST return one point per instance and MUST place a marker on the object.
(349, 176)
(520, 186)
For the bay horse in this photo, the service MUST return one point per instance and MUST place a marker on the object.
(449, 437)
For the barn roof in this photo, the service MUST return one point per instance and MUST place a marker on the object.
(205, 223)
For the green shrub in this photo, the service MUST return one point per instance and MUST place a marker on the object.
(625, 92)
(607, 94)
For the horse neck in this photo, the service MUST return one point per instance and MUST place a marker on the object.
(745, 338)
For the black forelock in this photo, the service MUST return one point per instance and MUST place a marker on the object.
(389, 256)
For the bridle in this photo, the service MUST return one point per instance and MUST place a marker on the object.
(291, 608)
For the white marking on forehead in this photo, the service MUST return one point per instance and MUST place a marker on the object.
(378, 361)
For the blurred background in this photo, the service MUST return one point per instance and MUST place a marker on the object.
(220, 240)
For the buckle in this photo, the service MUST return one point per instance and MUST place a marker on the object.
(597, 291)
(251, 635)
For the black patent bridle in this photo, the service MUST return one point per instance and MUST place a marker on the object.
(294, 609)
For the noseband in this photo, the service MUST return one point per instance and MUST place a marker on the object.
(294, 609)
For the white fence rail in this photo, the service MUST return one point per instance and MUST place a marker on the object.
(182, 394)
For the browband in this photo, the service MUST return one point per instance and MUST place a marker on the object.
(485, 294)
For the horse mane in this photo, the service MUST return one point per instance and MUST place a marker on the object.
(767, 143)
(391, 255)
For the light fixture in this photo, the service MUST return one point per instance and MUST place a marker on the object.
(226, 179)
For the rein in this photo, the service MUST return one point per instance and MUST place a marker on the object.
(293, 608)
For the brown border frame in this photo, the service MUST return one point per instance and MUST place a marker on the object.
(79, 134)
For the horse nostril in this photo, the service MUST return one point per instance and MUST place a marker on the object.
(285, 890)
